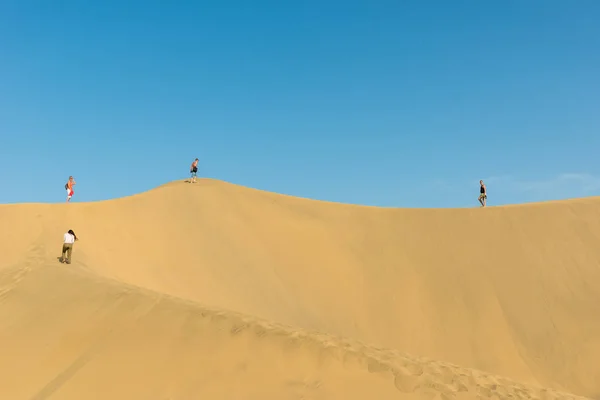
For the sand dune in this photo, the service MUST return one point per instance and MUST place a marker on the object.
(212, 290)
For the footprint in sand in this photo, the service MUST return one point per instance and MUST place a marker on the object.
(376, 366)
(406, 378)
(406, 383)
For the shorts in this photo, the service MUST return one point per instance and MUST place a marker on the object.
(483, 196)
(194, 171)
(69, 192)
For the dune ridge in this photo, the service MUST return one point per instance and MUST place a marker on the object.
(230, 292)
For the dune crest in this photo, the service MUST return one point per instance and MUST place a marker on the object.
(213, 289)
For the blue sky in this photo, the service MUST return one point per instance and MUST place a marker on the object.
(388, 103)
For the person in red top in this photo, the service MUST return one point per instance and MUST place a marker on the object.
(69, 187)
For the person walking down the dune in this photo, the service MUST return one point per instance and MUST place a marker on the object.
(67, 248)
(193, 171)
(482, 193)
(69, 186)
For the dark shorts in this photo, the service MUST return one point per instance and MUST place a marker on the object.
(194, 170)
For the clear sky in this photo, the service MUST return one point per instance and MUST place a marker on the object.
(388, 103)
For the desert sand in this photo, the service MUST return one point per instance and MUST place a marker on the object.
(216, 291)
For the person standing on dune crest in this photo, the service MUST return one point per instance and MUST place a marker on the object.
(69, 187)
(482, 193)
(193, 171)
(67, 248)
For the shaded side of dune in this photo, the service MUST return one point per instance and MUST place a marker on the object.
(96, 339)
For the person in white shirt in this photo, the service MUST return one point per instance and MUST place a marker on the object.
(67, 248)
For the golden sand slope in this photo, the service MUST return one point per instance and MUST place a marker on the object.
(211, 290)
